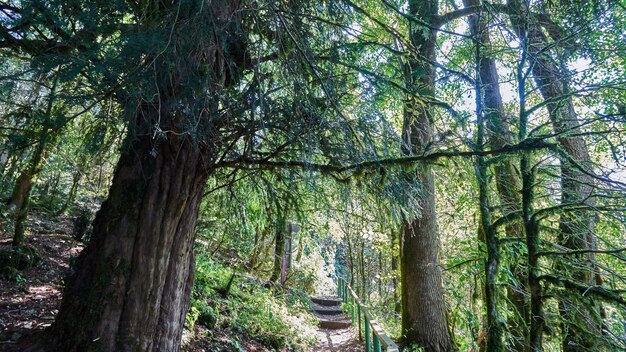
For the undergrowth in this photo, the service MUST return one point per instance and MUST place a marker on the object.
(249, 310)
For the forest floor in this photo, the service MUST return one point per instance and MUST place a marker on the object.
(30, 301)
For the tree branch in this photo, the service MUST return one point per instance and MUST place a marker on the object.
(267, 164)
(598, 291)
(582, 251)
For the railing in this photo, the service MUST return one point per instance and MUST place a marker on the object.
(376, 340)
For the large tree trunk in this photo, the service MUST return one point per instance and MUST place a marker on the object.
(424, 320)
(131, 288)
(582, 323)
(508, 183)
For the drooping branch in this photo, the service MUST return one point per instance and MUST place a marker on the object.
(613, 296)
(267, 164)
(582, 251)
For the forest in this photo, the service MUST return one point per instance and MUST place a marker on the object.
(207, 175)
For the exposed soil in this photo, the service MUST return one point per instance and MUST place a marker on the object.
(29, 302)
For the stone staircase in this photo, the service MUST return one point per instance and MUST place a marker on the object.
(327, 309)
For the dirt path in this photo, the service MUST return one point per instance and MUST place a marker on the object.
(340, 340)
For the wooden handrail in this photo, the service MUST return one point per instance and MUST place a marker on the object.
(380, 341)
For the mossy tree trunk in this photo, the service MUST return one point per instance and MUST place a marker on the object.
(492, 263)
(508, 184)
(581, 316)
(20, 197)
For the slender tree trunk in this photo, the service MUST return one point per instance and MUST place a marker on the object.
(300, 248)
(531, 228)
(507, 180)
(492, 262)
(364, 289)
(255, 248)
(13, 166)
(537, 320)
(263, 244)
(350, 258)
(581, 316)
(20, 198)
(380, 275)
(5, 158)
(72, 195)
(424, 319)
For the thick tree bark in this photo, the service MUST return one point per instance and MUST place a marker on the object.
(132, 283)
(581, 316)
(131, 288)
(507, 180)
(424, 320)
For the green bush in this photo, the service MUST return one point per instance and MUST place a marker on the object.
(274, 317)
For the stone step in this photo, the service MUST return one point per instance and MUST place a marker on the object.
(327, 310)
(326, 300)
(333, 321)
(334, 324)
